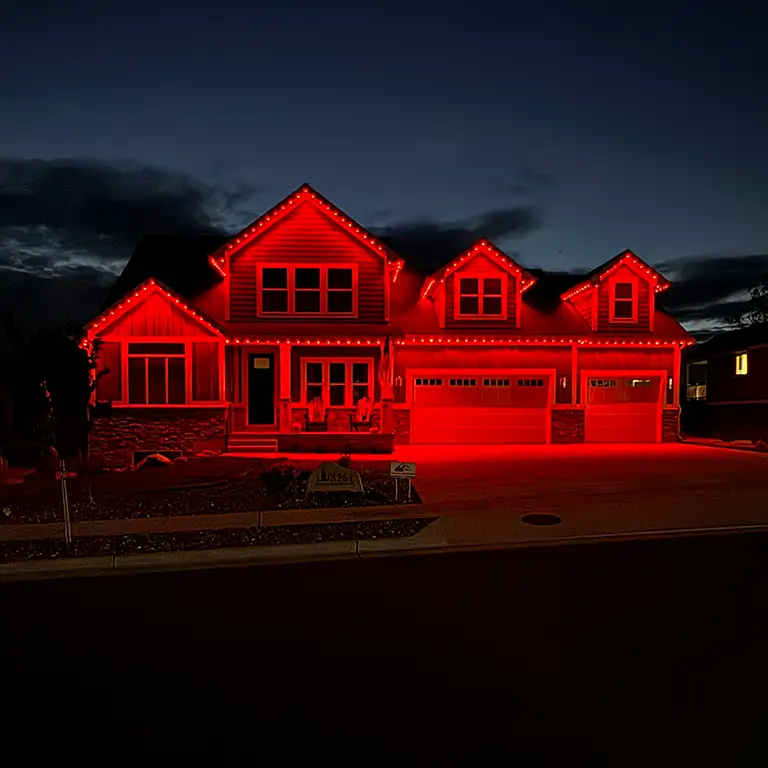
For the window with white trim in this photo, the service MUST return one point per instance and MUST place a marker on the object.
(340, 383)
(480, 297)
(624, 301)
(741, 364)
(307, 290)
(157, 373)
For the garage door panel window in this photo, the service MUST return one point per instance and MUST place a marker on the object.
(340, 383)
(480, 297)
(462, 382)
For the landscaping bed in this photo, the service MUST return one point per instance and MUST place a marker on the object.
(194, 487)
(90, 546)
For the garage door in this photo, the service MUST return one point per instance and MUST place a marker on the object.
(480, 408)
(623, 410)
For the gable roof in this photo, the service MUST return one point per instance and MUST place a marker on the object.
(626, 259)
(177, 261)
(481, 247)
(142, 292)
(304, 195)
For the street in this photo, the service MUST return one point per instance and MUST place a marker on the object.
(606, 647)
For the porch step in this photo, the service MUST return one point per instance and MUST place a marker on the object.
(248, 442)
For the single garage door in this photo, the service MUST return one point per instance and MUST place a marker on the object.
(623, 410)
(480, 408)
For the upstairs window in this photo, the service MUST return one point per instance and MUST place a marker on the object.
(624, 301)
(307, 290)
(480, 297)
(741, 364)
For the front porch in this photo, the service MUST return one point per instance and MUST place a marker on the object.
(303, 398)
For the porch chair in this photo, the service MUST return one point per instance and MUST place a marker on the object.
(363, 415)
(316, 418)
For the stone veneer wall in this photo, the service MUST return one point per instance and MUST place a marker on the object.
(670, 426)
(401, 418)
(115, 437)
(567, 425)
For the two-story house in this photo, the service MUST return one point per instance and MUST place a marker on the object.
(223, 344)
(725, 384)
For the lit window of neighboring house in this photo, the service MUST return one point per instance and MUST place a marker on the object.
(316, 290)
(623, 304)
(741, 364)
(480, 297)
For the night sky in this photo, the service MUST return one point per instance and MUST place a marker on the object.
(565, 131)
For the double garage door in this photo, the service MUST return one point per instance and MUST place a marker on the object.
(483, 408)
(480, 408)
(623, 409)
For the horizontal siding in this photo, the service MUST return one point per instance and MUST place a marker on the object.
(307, 235)
(604, 308)
(484, 267)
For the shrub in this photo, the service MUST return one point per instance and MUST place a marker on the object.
(279, 478)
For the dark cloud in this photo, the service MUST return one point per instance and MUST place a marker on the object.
(429, 245)
(104, 208)
(79, 220)
(46, 301)
(711, 288)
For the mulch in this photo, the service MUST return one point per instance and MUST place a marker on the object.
(129, 544)
(193, 487)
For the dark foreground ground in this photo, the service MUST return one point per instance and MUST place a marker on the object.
(642, 648)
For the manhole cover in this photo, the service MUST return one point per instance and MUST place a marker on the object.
(541, 519)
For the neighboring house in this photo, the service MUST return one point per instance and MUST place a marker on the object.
(725, 386)
(224, 343)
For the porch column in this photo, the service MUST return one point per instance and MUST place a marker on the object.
(284, 407)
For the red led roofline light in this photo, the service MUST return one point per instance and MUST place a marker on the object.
(116, 311)
(661, 284)
(305, 194)
(396, 267)
(545, 341)
(310, 342)
(218, 264)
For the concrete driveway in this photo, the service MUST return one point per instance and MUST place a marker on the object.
(596, 489)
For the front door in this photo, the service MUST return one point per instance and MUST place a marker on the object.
(261, 389)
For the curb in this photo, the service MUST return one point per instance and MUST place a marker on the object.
(225, 557)
(431, 541)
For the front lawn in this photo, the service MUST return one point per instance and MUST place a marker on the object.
(200, 486)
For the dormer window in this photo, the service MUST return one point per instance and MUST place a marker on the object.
(624, 302)
(480, 297)
(307, 290)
